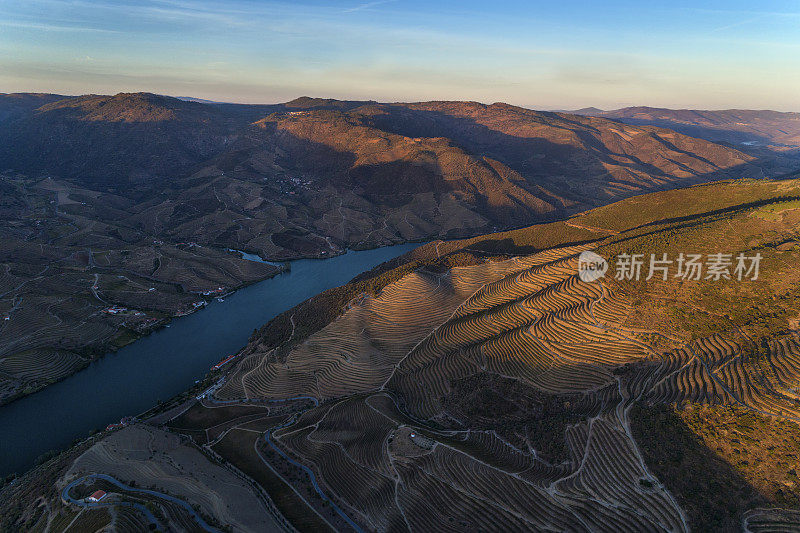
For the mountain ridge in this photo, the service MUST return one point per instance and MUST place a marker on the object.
(413, 170)
(777, 131)
(162, 188)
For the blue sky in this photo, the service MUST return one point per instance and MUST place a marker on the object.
(546, 55)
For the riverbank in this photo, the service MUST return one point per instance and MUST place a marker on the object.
(166, 362)
(123, 334)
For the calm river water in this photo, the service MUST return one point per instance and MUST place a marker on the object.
(165, 363)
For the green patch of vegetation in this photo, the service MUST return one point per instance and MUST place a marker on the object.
(700, 307)
(548, 435)
(125, 337)
(763, 450)
(774, 211)
(518, 412)
(720, 460)
(711, 491)
(686, 203)
(530, 239)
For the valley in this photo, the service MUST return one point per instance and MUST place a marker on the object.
(382, 266)
(106, 238)
(165, 363)
(479, 382)
(75, 286)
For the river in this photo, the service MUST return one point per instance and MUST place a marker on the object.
(166, 362)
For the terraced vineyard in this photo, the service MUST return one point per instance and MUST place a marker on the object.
(499, 395)
(482, 385)
(720, 371)
(399, 455)
(371, 338)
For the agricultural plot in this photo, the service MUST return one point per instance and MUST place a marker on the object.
(511, 395)
(66, 259)
(152, 458)
(540, 330)
(411, 477)
(764, 520)
(395, 449)
(717, 370)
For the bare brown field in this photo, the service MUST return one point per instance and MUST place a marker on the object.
(153, 458)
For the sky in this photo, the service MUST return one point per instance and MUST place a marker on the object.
(565, 54)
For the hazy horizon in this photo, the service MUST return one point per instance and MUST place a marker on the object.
(566, 56)
(274, 102)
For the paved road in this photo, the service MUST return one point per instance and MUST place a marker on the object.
(306, 469)
(66, 497)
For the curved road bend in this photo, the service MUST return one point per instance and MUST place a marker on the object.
(306, 469)
(67, 498)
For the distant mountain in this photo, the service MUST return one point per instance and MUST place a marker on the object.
(308, 102)
(588, 160)
(198, 100)
(360, 175)
(17, 105)
(774, 130)
(584, 111)
(117, 139)
(317, 175)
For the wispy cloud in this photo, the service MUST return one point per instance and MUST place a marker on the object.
(756, 12)
(368, 5)
(749, 20)
(53, 27)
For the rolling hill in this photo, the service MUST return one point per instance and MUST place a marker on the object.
(315, 175)
(101, 186)
(483, 384)
(745, 129)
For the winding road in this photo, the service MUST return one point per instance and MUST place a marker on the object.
(65, 495)
(312, 477)
(306, 469)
